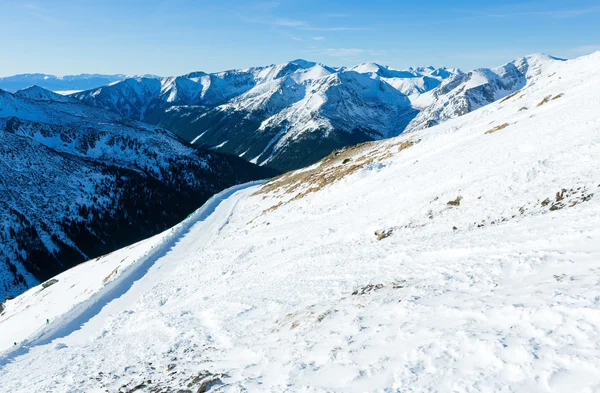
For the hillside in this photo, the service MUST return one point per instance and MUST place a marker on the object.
(463, 257)
(77, 182)
(467, 92)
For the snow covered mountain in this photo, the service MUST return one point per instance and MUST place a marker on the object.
(63, 83)
(464, 257)
(290, 115)
(412, 82)
(77, 182)
(284, 116)
(464, 93)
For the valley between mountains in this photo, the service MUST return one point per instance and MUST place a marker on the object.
(455, 248)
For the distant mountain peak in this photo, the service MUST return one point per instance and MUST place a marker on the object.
(304, 63)
(63, 83)
(38, 93)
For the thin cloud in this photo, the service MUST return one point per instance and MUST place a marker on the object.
(553, 14)
(263, 14)
(285, 22)
(342, 28)
(585, 49)
(319, 38)
(266, 5)
(342, 52)
(347, 53)
(40, 13)
(337, 15)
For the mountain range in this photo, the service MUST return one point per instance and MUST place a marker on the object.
(463, 257)
(67, 83)
(77, 182)
(104, 160)
(290, 115)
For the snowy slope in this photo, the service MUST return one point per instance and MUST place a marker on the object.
(78, 181)
(485, 277)
(464, 93)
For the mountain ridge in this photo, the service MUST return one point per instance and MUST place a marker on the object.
(66, 83)
(255, 112)
(289, 115)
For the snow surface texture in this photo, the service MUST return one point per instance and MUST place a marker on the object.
(485, 276)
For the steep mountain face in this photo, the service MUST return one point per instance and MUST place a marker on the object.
(290, 115)
(464, 93)
(77, 182)
(460, 258)
(300, 120)
(64, 83)
(284, 116)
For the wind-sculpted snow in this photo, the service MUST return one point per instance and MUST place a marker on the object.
(464, 257)
(78, 181)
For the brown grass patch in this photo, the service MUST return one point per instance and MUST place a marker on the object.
(549, 98)
(110, 275)
(508, 97)
(542, 102)
(330, 169)
(497, 128)
(455, 202)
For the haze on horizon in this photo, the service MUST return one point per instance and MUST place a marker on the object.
(64, 37)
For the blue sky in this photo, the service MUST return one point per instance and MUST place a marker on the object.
(172, 37)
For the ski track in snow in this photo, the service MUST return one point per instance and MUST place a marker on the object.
(126, 284)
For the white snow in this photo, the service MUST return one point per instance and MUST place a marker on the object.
(497, 294)
(220, 145)
(198, 137)
(67, 92)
